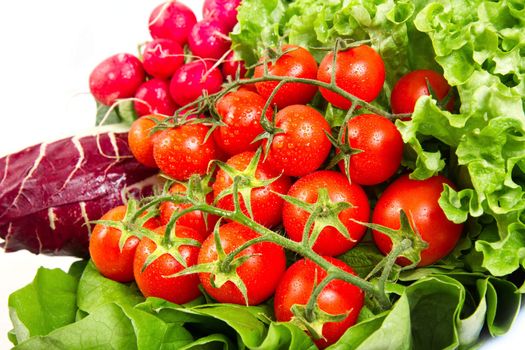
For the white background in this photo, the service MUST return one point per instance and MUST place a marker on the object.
(48, 49)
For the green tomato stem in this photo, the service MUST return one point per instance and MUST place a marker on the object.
(297, 247)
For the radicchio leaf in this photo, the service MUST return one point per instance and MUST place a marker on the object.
(49, 193)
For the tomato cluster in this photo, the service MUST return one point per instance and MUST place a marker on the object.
(273, 148)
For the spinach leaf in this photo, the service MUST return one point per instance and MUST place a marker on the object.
(48, 303)
(95, 290)
(107, 328)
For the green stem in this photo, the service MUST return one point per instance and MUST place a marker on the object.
(329, 86)
(309, 309)
(266, 124)
(390, 260)
(308, 253)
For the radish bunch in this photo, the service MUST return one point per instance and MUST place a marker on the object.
(168, 76)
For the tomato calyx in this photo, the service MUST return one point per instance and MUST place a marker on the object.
(345, 151)
(310, 317)
(244, 181)
(323, 213)
(313, 322)
(224, 269)
(169, 244)
(441, 103)
(131, 225)
(197, 190)
(272, 55)
(406, 241)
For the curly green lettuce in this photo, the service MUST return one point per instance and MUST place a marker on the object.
(316, 24)
(479, 46)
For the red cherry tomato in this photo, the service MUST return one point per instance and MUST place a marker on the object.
(260, 273)
(182, 151)
(297, 62)
(240, 111)
(359, 71)
(140, 139)
(338, 297)
(381, 147)
(153, 281)
(266, 204)
(413, 85)
(303, 147)
(419, 200)
(104, 247)
(330, 241)
(196, 219)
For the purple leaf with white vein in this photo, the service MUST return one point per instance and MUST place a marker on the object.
(50, 192)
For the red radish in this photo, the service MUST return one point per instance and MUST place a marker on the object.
(172, 20)
(224, 10)
(162, 57)
(154, 96)
(209, 39)
(192, 79)
(118, 76)
(231, 66)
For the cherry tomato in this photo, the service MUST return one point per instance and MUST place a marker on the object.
(419, 200)
(297, 62)
(140, 139)
(196, 219)
(153, 281)
(260, 273)
(359, 71)
(266, 204)
(303, 147)
(330, 241)
(413, 85)
(104, 249)
(240, 111)
(338, 297)
(182, 151)
(381, 147)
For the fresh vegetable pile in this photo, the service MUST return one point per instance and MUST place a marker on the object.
(333, 174)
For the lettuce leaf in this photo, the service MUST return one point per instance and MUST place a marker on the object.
(481, 47)
(458, 305)
(316, 24)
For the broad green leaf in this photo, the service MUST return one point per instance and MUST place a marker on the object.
(364, 257)
(151, 332)
(95, 290)
(106, 115)
(107, 328)
(212, 342)
(48, 303)
(436, 302)
(503, 303)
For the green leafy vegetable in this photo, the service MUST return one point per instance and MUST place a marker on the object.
(95, 290)
(457, 304)
(124, 113)
(316, 24)
(48, 303)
